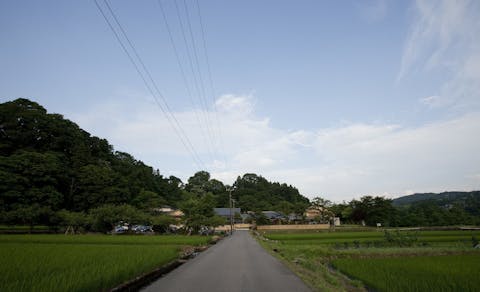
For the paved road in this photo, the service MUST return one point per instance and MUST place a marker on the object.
(237, 263)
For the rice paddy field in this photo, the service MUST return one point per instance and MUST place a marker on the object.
(364, 261)
(83, 262)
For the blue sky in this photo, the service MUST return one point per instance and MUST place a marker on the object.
(339, 98)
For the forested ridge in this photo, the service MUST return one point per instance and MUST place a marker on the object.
(52, 172)
(48, 164)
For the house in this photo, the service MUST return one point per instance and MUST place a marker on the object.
(177, 214)
(225, 213)
(296, 218)
(312, 213)
(167, 210)
(274, 216)
(163, 209)
(323, 215)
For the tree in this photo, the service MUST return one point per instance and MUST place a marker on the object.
(373, 210)
(198, 212)
(147, 200)
(323, 208)
(73, 220)
(104, 218)
(161, 223)
(198, 181)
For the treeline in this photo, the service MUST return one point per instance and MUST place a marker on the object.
(52, 171)
(434, 211)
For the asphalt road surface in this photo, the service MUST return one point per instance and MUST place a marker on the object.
(237, 263)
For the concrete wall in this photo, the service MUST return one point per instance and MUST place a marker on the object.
(277, 227)
(294, 227)
(237, 226)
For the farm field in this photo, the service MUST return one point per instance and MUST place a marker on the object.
(357, 261)
(83, 262)
(419, 273)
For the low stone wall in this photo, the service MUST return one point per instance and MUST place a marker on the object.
(237, 226)
(294, 227)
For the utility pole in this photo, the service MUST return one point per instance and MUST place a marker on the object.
(231, 215)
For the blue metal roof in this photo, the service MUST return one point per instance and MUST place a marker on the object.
(226, 211)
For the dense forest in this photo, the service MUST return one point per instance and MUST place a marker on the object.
(52, 170)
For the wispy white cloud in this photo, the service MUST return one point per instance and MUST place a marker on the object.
(432, 101)
(444, 38)
(339, 162)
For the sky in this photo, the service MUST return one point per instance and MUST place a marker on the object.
(340, 99)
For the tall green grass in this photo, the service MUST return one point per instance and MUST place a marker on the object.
(420, 273)
(82, 263)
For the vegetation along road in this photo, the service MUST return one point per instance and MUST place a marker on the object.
(237, 263)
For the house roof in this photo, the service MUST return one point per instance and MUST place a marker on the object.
(226, 211)
(273, 214)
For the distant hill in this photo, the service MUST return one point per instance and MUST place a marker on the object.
(49, 164)
(443, 198)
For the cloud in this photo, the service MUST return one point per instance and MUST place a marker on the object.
(233, 104)
(443, 38)
(432, 101)
(338, 163)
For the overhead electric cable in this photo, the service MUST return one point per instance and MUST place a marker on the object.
(184, 77)
(198, 82)
(212, 87)
(187, 13)
(166, 111)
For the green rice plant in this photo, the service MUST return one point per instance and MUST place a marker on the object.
(420, 273)
(105, 239)
(83, 262)
(330, 238)
(311, 255)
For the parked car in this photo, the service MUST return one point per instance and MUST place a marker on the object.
(142, 228)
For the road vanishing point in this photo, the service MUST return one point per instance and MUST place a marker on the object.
(237, 263)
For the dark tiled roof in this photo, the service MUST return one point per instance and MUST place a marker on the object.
(225, 211)
(273, 214)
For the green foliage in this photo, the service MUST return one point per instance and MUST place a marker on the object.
(72, 219)
(104, 218)
(401, 238)
(445, 211)
(198, 212)
(48, 162)
(261, 219)
(255, 193)
(162, 223)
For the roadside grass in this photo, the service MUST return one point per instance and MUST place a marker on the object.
(309, 263)
(315, 257)
(420, 273)
(83, 262)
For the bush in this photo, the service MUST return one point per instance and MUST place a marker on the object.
(398, 238)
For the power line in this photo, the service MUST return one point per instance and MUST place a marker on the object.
(198, 82)
(166, 111)
(184, 77)
(212, 87)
